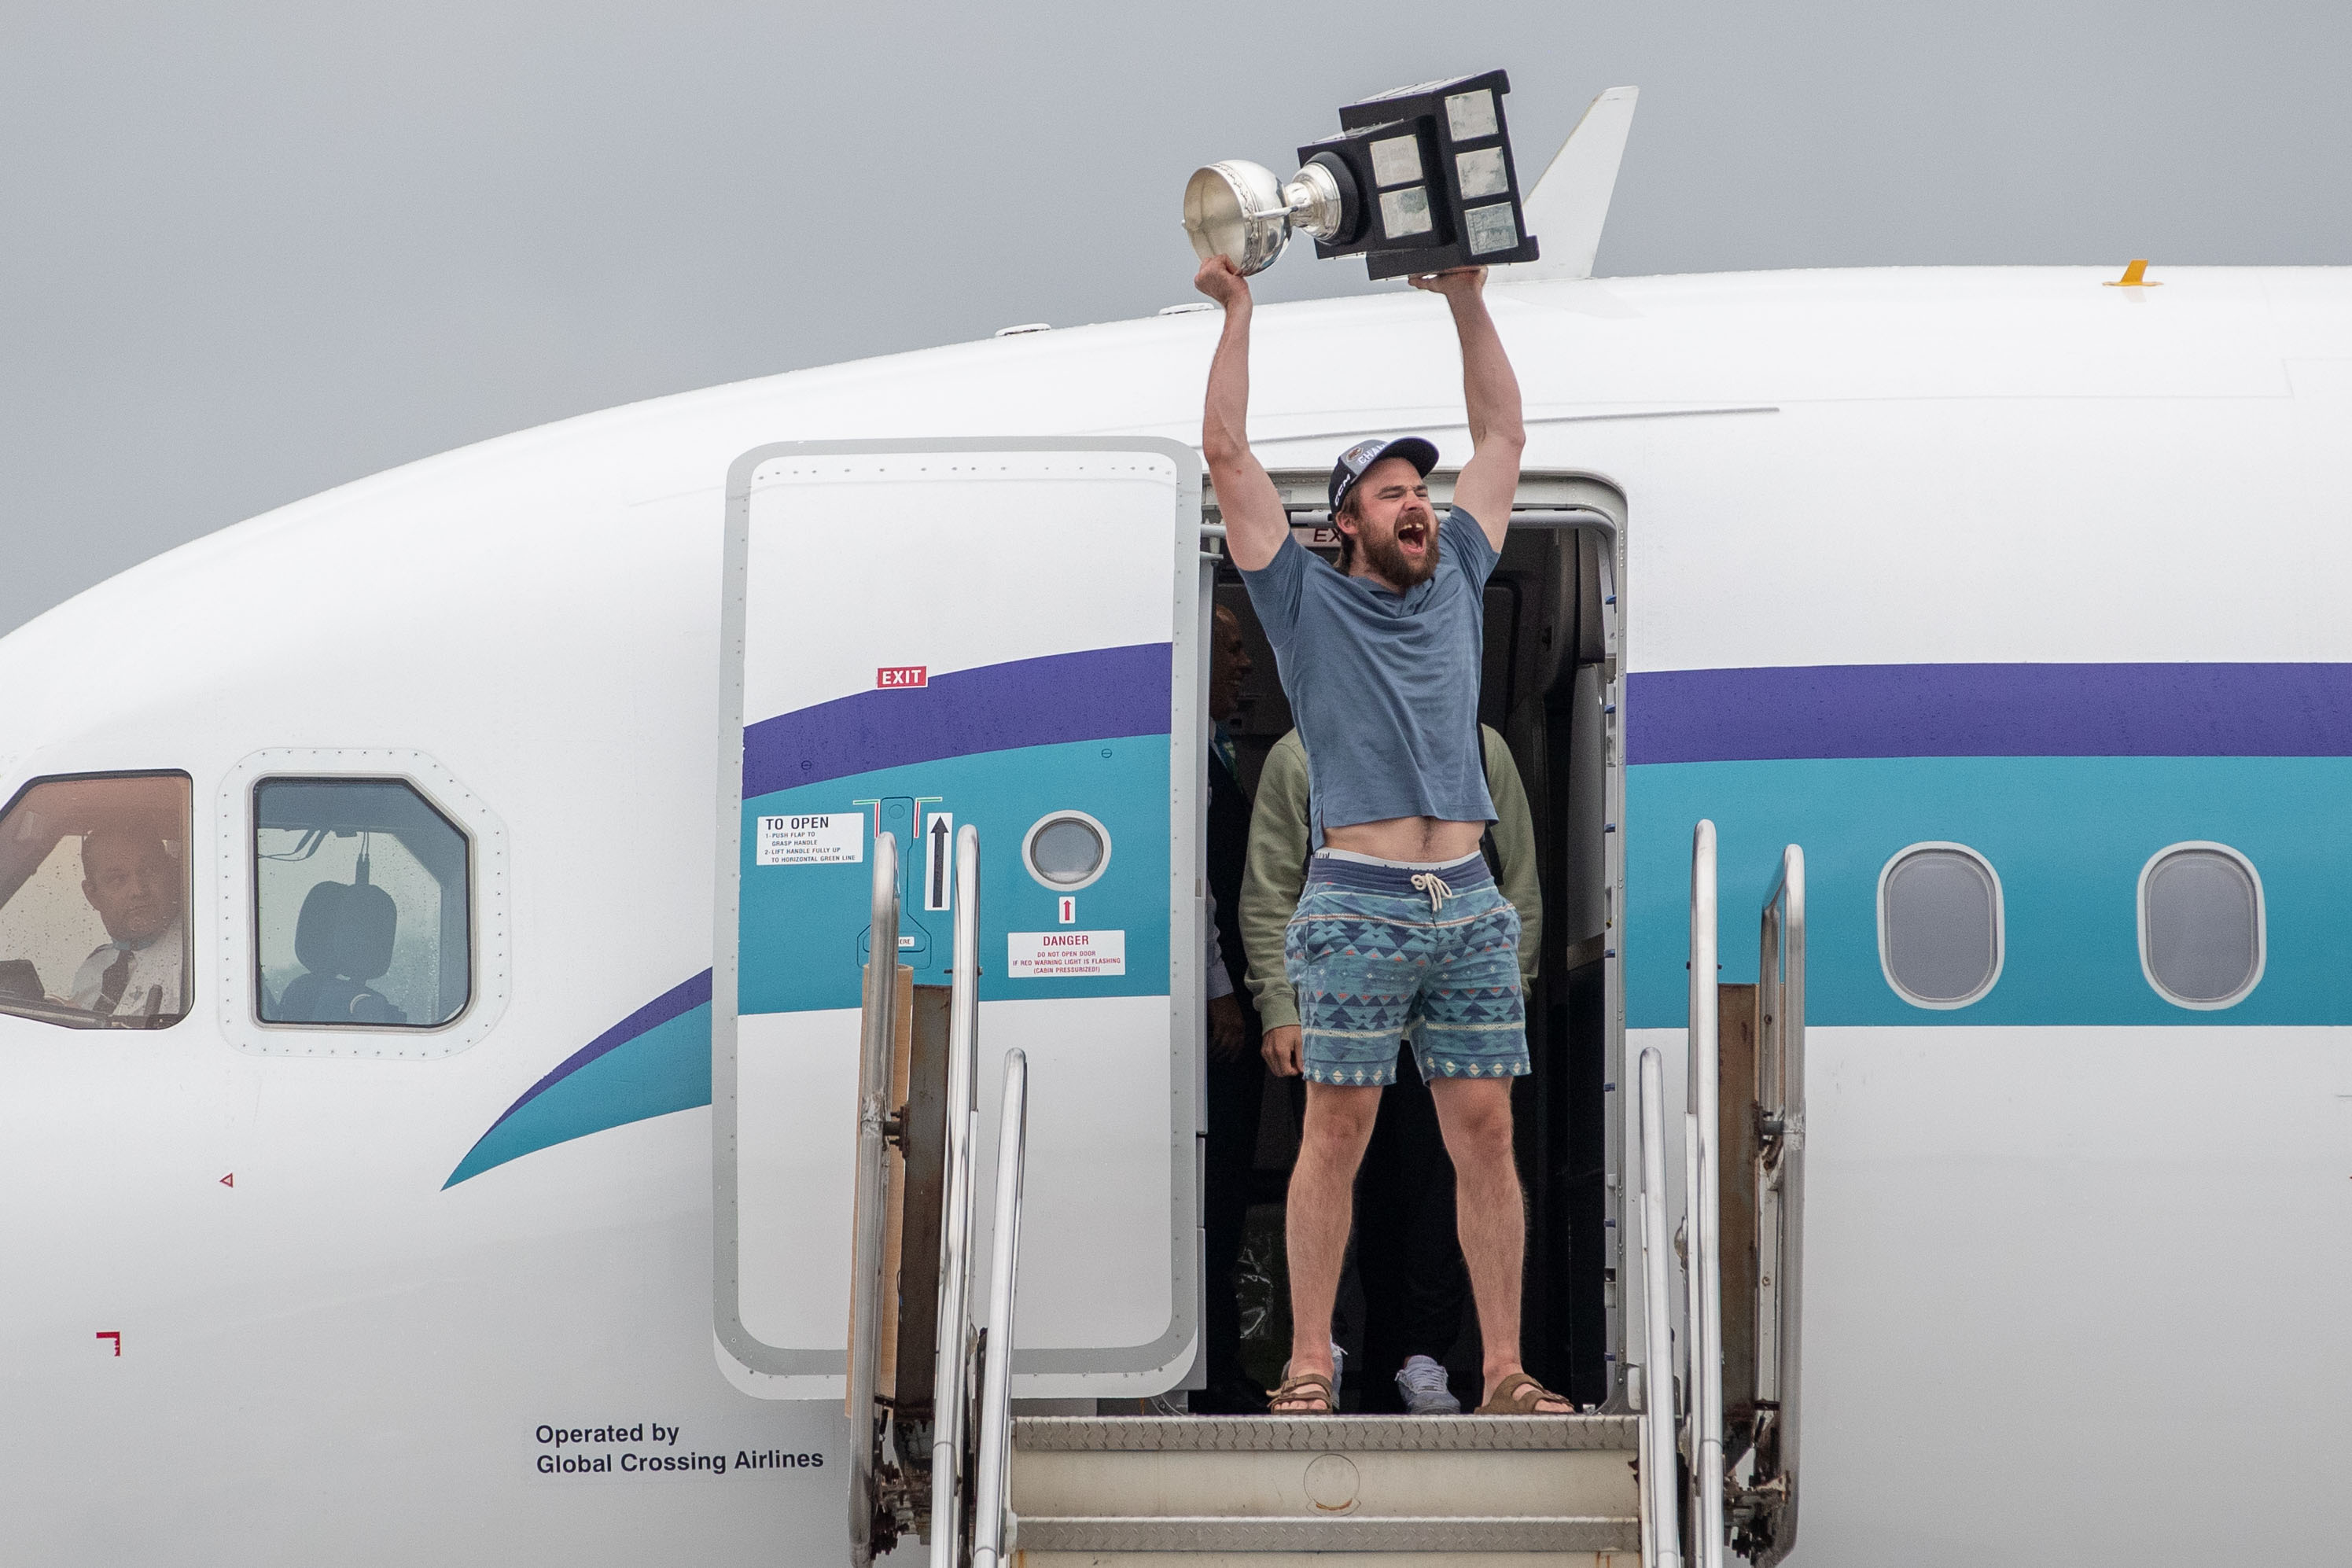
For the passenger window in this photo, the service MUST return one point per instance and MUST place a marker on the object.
(2200, 925)
(93, 890)
(360, 905)
(1940, 925)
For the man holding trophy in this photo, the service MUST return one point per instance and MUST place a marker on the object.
(1401, 932)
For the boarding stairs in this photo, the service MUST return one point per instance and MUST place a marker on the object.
(1706, 1468)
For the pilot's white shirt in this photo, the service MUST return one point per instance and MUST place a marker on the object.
(155, 964)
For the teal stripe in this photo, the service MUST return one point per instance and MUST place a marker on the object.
(666, 1069)
(801, 927)
(2068, 836)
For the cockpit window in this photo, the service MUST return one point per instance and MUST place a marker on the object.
(360, 905)
(93, 895)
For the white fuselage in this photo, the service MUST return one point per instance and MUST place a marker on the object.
(2072, 1266)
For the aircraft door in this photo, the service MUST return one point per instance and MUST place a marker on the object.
(918, 636)
(1770, 1184)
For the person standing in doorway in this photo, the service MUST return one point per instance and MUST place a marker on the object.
(1401, 923)
(1410, 1264)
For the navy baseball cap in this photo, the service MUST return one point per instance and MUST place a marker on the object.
(1357, 460)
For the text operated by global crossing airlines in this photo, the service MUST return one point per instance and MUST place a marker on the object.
(650, 1449)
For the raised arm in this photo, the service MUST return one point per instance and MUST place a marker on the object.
(1491, 393)
(1254, 523)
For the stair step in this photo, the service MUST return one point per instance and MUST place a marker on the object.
(1378, 1484)
(1285, 1472)
(1323, 1434)
(1629, 1557)
(1534, 1534)
(1323, 1483)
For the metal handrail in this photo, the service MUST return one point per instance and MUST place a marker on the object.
(1703, 1205)
(990, 1498)
(876, 1046)
(1687, 1364)
(1660, 1518)
(1780, 980)
(1781, 972)
(952, 1363)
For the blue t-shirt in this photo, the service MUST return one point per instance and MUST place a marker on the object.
(1383, 688)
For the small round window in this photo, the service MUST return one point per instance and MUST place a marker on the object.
(2200, 925)
(1940, 925)
(1066, 850)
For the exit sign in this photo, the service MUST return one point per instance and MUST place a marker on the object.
(902, 675)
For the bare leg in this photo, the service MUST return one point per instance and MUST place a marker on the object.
(1475, 1116)
(1322, 1203)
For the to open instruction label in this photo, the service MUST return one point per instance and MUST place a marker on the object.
(1042, 955)
(836, 838)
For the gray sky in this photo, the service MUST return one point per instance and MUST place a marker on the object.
(255, 250)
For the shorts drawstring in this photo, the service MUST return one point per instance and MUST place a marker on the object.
(1433, 884)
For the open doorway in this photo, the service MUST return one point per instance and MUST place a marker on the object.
(1548, 685)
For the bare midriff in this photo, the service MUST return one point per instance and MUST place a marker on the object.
(1428, 839)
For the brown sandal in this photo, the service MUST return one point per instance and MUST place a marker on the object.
(1519, 1395)
(1297, 1391)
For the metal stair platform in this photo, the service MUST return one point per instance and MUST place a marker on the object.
(1386, 1491)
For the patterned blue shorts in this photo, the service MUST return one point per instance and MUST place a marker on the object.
(1381, 952)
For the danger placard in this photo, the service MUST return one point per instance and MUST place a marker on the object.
(1046, 954)
(834, 838)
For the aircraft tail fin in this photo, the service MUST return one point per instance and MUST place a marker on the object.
(1568, 205)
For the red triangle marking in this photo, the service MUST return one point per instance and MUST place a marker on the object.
(229, 1180)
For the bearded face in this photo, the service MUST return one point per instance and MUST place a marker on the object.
(1395, 531)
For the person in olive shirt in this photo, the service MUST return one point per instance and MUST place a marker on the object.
(1411, 1271)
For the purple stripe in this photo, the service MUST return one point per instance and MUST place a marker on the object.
(1090, 696)
(1990, 710)
(680, 999)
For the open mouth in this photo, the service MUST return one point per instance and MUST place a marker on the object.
(1413, 536)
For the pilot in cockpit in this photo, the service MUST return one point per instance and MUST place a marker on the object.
(132, 881)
